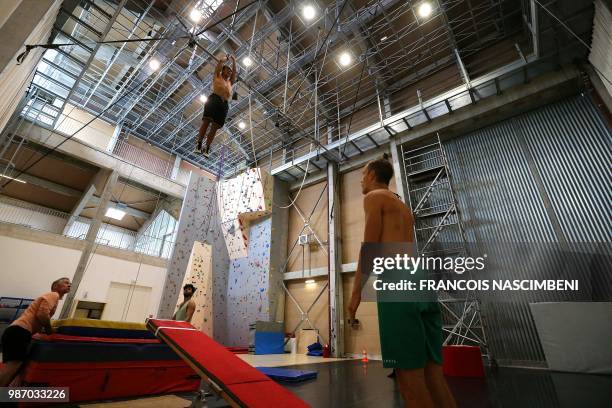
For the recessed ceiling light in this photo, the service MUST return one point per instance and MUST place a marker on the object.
(247, 61)
(425, 9)
(115, 213)
(203, 98)
(154, 64)
(309, 12)
(308, 281)
(195, 15)
(241, 125)
(345, 59)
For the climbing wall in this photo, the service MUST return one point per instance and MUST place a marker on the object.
(248, 287)
(243, 199)
(199, 275)
(199, 221)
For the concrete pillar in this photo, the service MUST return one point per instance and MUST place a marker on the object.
(176, 167)
(114, 138)
(336, 303)
(278, 250)
(90, 241)
(398, 169)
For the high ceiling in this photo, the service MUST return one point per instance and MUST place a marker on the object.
(296, 91)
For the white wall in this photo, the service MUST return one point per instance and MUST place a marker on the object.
(28, 268)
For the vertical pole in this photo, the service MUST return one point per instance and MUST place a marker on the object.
(336, 304)
(398, 169)
(90, 240)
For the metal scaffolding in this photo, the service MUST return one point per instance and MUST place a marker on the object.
(439, 232)
(293, 60)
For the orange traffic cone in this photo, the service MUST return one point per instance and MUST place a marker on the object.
(365, 356)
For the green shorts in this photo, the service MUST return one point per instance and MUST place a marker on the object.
(410, 333)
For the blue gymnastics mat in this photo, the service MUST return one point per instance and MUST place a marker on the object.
(286, 374)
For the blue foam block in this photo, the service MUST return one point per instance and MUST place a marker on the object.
(269, 343)
(286, 374)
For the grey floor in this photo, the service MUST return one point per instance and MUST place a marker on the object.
(353, 384)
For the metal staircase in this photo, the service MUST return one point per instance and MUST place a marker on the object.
(439, 232)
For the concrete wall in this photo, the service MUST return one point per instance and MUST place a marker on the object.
(23, 22)
(31, 260)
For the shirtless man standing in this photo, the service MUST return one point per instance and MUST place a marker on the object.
(410, 332)
(217, 105)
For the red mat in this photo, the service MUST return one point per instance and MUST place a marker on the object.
(65, 337)
(236, 381)
(119, 379)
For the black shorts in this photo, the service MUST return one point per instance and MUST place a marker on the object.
(216, 109)
(15, 343)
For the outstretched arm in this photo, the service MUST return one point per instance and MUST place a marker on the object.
(234, 73)
(219, 66)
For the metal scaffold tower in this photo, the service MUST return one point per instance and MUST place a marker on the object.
(439, 232)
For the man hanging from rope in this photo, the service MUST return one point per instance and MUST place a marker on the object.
(217, 105)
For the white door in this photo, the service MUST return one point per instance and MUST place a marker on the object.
(127, 303)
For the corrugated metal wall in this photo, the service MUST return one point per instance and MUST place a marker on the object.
(543, 176)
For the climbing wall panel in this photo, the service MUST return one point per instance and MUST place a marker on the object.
(248, 286)
(199, 221)
(242, 199)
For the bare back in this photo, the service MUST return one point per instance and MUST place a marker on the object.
(395, 217)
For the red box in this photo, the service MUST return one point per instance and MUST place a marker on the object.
(462, 361)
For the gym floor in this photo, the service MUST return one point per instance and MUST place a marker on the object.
(353, 384)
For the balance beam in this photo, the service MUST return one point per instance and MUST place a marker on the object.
(230, 377)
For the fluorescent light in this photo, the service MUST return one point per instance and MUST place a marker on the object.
(247, 61)
(425, 9)
(241, 125)
(12, 178)
(154, 64)
(308, 281)
(309, 12)
(203, 98)
(115, 213)
(195, 15)
(345, 59)
(383, 39)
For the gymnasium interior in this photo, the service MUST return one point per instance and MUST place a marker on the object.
(495, 116)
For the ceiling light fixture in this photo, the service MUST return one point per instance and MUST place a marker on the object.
(13, 178)
(425, 9)
(345, 59)
(308, 281)
(242, 125)
(195, 15)
(309, 12)
(247, 61)
(203, 98)
(154, 64)
(115, 213)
